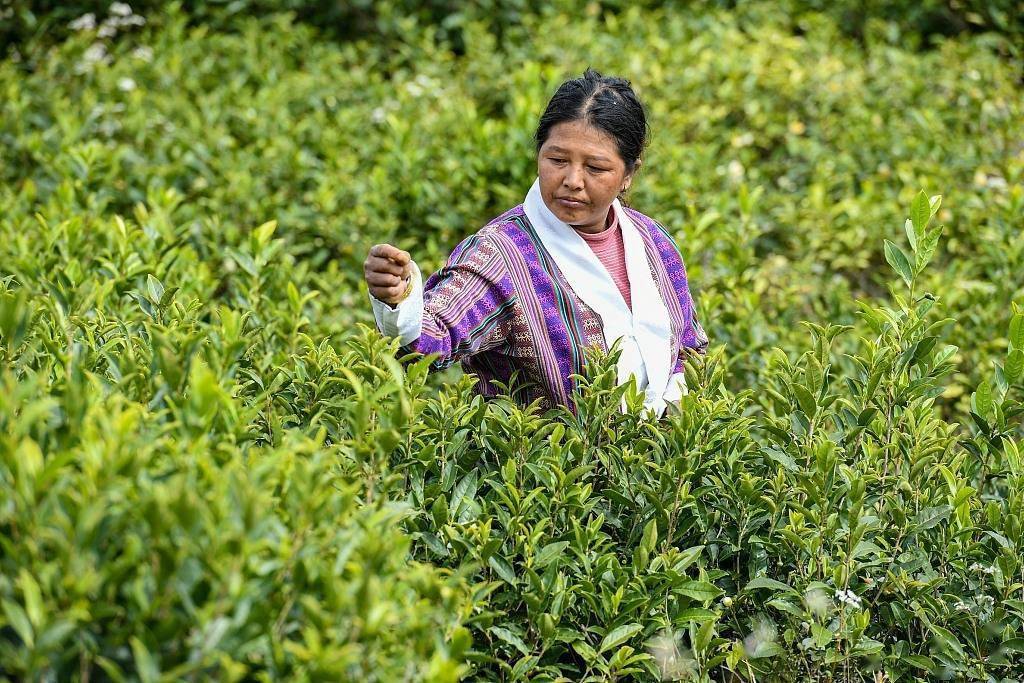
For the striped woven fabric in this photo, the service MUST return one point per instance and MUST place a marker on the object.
(502, 308)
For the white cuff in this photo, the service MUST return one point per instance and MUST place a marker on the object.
(676, 388)
(405, 320)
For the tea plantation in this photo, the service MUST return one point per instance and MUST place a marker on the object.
(213, 467)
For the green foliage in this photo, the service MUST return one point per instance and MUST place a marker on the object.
(209, 470)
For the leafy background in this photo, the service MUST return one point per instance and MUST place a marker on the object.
(210, 467)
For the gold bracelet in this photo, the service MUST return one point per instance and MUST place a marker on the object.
(408, 290)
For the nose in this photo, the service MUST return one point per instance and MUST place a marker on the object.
(573, 178)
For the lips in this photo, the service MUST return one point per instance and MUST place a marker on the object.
(569, 201)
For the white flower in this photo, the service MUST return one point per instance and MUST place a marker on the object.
(378, 115)
(121, 9)
(744, 140)
(107, 30)
(143, 52)
(126, 84)
(86, 22)
(133, 20)
(736, 171)
(848, 597)
(96, 52)
(93, 55)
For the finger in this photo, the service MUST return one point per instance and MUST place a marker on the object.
(396, 292)
(400, 257)
(388, 294)
(379, 265)
(382, 280)
(385, 251)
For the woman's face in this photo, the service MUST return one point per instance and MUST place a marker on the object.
(581, 173)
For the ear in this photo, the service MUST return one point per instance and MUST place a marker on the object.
(628, 180)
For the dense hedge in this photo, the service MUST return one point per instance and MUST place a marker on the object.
(923, 23)
(208, 470)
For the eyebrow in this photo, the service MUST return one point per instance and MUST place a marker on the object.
(555, 148)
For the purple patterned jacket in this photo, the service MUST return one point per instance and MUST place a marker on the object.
(502, 308)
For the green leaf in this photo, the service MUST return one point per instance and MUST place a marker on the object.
(704, 634)
(510, 638)
(464, 491)
(947, 641)
(920, 661)
(807, 402)
(549, 553)
(619, 635)
(147, 668)
(1012, 645)
(945, 354)
(898, 260)
(981, 401)
(931, 516)
(33, 598)
(1017, 331)
(19, 621)
(650, 538)
(265, 232)
(908, 227)
(926, 247)
(502, 568)
(155, 289)
(765, 582)
(584, 650)
(920, 211)
(1014, 365)
(700, 590)
(822, 636)
(439, 511)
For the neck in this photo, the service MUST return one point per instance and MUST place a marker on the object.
(594, 228)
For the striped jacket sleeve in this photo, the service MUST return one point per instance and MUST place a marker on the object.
(460, 310)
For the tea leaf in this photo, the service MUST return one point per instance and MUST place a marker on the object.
(898, 260)
(619, 635)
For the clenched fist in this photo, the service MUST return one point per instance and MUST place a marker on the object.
(388, 272)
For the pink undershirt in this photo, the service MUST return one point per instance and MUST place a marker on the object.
(607, 246)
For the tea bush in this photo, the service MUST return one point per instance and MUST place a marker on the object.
(209, 470)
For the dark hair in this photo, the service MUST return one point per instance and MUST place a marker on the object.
(605, 102)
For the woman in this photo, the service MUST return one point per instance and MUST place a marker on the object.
(567, 268)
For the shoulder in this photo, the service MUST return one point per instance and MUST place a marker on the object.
(491, 243)
(499, 233)
(656, 232)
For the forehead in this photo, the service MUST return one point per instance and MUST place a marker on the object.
(580, 137)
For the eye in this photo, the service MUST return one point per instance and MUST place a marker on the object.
(595, 169)
(556, 160)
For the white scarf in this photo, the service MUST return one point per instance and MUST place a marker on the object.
(645, 331)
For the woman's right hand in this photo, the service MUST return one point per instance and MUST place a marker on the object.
(388, 273)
